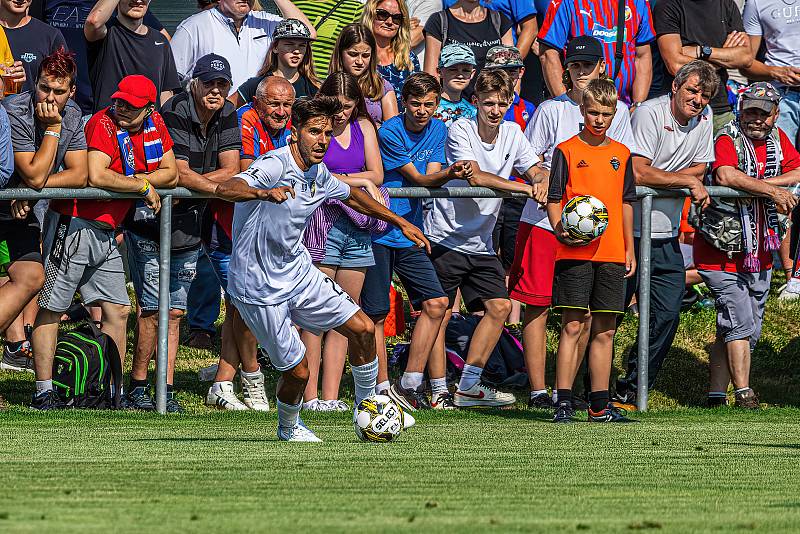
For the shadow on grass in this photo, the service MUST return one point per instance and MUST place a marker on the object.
(767, 445)
(226, 439)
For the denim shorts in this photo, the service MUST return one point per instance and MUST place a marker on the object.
(348, 245)
(143, 259)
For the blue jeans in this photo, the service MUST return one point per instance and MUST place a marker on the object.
(789, 116)
(204, 296)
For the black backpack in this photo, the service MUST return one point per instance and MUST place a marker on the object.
(85, 362)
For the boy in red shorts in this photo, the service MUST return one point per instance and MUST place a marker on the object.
(591, 277)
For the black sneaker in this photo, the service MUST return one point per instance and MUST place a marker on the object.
(409, 400)
(717, 402)
(564, 413)
(747, 399)
(48, 400)
(542, 401)
(611, 414)
(140, 399)
(579, 404)
(173, 406)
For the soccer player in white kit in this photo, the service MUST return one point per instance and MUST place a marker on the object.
(272, 281)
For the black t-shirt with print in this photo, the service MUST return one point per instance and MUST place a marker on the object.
(124, 52)
(699, 22)
(479, 36)
(30, 44)
(302, 87)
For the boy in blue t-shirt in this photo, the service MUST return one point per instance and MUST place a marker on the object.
(456, 69)
(412, 148)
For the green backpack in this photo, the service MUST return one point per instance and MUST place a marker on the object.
(85, 363)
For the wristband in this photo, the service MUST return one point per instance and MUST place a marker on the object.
(53, 134)
(145, 190)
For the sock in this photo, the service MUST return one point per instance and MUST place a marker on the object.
(170, 388)
(365, 377)
(288, 414)
(383, 386)
(470, 376)
(563, 395)
(717, 395)
(43, 385)
(598, 400)
(537, 392)
(742, 390)
(14, 346)
(411, 380)
(438, 385)
(251, 376)
(139, 383)
(216, 387)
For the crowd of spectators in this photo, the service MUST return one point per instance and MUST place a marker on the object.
(496, 93)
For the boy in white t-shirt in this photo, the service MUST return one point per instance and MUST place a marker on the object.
(460, 229)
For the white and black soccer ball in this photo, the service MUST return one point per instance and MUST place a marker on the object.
(379, 419)
(584, 218)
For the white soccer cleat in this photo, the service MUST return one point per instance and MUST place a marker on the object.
(408, 420)
(255, 396)
(299, 432)
(315, 405)
(225, 398)
(482, 396)
(336, 405)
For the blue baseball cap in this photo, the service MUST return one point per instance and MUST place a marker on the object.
(456, 54)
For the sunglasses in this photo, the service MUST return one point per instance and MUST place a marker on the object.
(382, 15)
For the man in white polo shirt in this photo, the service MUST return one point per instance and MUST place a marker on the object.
(674, 143)
(234, 31)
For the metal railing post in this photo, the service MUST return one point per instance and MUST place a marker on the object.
(165, 246)
(643, 301)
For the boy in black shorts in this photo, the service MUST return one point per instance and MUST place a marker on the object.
(460, 229)
(590, 278)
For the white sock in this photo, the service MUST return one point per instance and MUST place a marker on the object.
(538, 392)
(288, 414)
(251, 376)
(470, 376)
(365, 377)
(555, 396)
(411, 380)
(742, 390)
(438, 385)
(383, 386)
(43, 385)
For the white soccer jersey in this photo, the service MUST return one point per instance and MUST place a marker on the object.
(466, 224)
(555, 121)
(268, 259)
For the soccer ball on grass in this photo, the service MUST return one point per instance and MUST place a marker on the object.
(379, 419)
(584, 218)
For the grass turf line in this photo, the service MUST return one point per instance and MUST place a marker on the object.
(676, 471)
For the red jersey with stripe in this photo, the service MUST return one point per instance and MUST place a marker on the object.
(567, 19)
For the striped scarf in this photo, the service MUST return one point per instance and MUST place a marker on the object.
(153, 149)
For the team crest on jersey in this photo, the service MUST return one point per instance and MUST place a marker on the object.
(615, 163)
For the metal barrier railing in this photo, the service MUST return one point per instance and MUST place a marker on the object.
(646, 195)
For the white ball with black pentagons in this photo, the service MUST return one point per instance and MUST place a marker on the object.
(584, 218)
(379, 419)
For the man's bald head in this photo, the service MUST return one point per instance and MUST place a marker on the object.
(273, 103)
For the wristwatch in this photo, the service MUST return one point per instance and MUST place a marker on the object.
(705, 52)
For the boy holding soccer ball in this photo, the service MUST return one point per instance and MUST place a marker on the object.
(590, 277)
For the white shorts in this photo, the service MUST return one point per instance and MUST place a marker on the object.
(318, 305)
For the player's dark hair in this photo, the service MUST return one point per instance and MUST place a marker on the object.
(59, 64)
(420, 84)
(495, 80)
(305, 109)
(343, 84)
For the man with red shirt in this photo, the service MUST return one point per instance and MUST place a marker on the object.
(754, 156)
(130, 151)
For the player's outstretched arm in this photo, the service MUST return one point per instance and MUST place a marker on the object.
(237, 190)
(363, 203)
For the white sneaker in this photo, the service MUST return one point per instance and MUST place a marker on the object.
(255, 396)
(337, 405)
(482, 395)
(791, 290)
(224, 397)
(314, 405)
(300, 432)
(442, 401)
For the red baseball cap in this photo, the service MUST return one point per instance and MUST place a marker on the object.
(136, 90)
